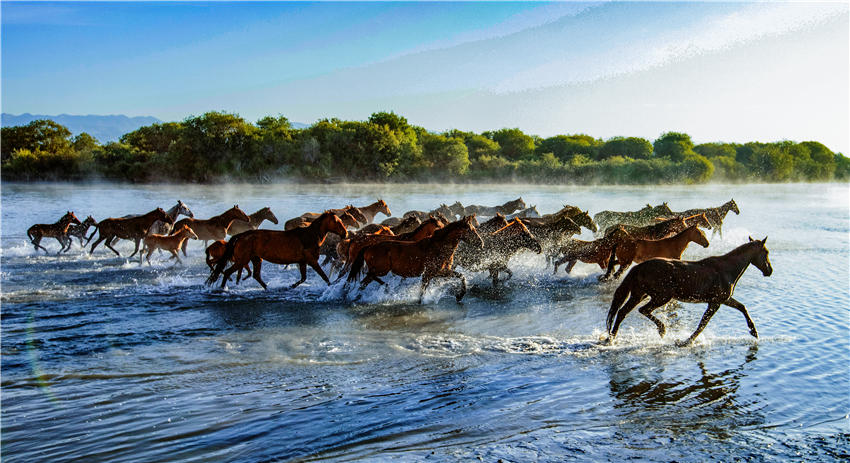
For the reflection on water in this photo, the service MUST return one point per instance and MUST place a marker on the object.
(104, 360)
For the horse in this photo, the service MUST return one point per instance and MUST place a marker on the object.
(529, 212)
(633, 250)
(662, 229)
(597, 251)
(489, 211)
(254, 221)
(80, 231)
(456, 209)
(552, 234)
(170, 243)
(306, 218)
(715, 215)
(644, 216)
(214, 228)
(133, 228)
(298, 246)
(369, 212)
(581, 218)
(160, 226)
(443, 212)
(710, 280)
(56, 230)
(348, 249)
(499, 247)
(430, 257)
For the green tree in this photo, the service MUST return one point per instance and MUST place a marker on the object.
(41, 135)
(631, 147)
(513, 143)
(674, 145)
(712, 150)
(445, 155)
(565, 147)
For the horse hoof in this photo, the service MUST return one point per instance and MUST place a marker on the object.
(684, 343)
(754, 333)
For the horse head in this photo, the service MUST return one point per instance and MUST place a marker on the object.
(160, 214)
(497, 222)
(384, 208)
(183, 209)
(697, 236)
(330, 223)
(760, 259)
(349, 220)
(89, 221)
(267, 214)
(583, 219)
(355, 212)
(470, 235)
(733, 206)
(456, 208)
(69, 217)
(567, 224)
(662, 208)
(475, 221)
(187, 230)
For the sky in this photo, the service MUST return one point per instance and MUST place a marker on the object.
(732, 72)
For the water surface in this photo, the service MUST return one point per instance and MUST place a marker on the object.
(107, 360)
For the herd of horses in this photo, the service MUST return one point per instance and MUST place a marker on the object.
(434, 244)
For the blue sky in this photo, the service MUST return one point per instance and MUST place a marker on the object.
(719, 71)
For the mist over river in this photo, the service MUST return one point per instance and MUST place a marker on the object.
(107, 360)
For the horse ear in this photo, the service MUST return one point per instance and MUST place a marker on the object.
(751, 238)
(765, 239)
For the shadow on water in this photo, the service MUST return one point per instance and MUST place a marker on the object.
(651, 400)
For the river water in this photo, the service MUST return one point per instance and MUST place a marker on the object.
(107, 360)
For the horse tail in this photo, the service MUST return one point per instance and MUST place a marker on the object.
(30, 234)
(209, 260)
(620, 296)
(357, 264)
(224, 259)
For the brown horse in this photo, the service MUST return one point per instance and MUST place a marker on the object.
(488, 211)
(79, 231)
(632, 250)
(58, 230)
(299, 246)
(369, 212)
(170, 243)
(355, 220)
(552, 234)
(214, 228)
(254, 221)
(348, 249)
(133, 228)
(581, 218)
(663, 229)
(214, 252)
(710, 280)
(430, 257)
(499, 247)
(597, 251)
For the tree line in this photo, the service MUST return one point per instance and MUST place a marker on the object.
(220, 146)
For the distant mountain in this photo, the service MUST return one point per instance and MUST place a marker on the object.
(104, 128)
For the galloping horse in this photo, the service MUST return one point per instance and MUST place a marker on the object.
(715, 215)
(552, 234)
(254, 221)
(214, 228)
(56, 230)
(632, 250)
(597, 251)
(369, 212)
(170, 243)
(663, 229)
(710, 280)
(499, 247)
(581, 218)
(133, 228)
(529, 212)
(299, 246)
(356, 220)
(430, 257)
(645, 216)
(79, 231)
(160, 226)
(348, 249)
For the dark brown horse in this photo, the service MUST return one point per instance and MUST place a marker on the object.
(58, 230)
(356, 220)
(254, 221)
(348, 249)
(499, 247)
(597, 251)
(299, 246)
(133, 228)
(662, 229)
(581, 218)
(430, 257)
(488, 211)
(214, 228)
(80, 231)
(710, 280)
(632, 250)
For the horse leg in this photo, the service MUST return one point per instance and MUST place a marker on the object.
(318, 268)
(494, 275)
(108, 245)
(558, 263)
(712, 309)
(148, 257)
(226, 275)
(137, 247)
(633, 301)
(647, 309)
(99, 239)
(570, 266)
(623, 267)
(425, 280)
(186, 243)
(175, 255)
(462, 291)
(302, 267)
(731, 302)
(366, 280)
(508, 271)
